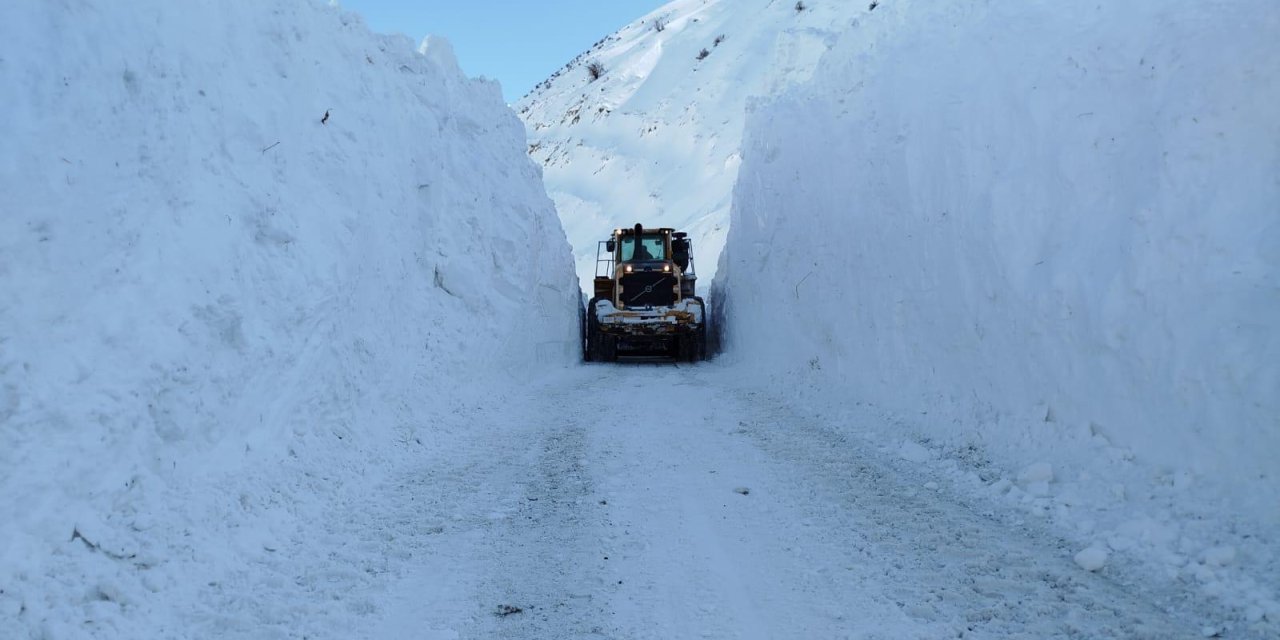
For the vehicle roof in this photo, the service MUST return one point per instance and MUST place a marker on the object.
(631, 230)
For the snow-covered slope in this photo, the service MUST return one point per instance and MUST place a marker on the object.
(656, 138)
(1045, 237)
(245, 249)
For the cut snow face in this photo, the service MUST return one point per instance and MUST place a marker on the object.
(647, 125)
(234, 236)
(1045, 241)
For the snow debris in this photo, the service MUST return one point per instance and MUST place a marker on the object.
(1092, 558)
(914, 452)
(507, 610)
(1038, 489)
(440, 52)
(921, 611)
(1220, 556)
(1040, 472)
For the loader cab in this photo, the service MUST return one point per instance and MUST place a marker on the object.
(639, 267)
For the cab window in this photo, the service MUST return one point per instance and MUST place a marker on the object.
(649, 248)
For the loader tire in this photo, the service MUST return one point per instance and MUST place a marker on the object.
(687, 348)
(601, 347)
(693, 347)
(608, 347)
(584, 333)
(589, 344)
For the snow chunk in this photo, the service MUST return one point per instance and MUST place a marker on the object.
(1033, 473)
(1038, 489)
(1219, 556)
(1092, 559)
(912, 452)
(439, 51)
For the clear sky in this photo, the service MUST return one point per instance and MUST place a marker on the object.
(517, 42)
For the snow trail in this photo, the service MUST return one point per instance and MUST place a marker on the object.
(748, 521)
(599, 502)
(602, 502)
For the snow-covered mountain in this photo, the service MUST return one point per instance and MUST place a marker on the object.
(655, 138)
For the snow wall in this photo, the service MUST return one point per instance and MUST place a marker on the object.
(208, 289)
(1048, 231)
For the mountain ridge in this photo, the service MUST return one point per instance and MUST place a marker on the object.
(656, 137)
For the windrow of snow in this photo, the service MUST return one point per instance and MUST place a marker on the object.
(656, 137)
(1044, 239)
(247, 250)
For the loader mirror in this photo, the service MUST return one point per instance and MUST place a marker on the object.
(609, 246)
(680, 253)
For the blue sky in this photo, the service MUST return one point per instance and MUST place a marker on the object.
(517, 42)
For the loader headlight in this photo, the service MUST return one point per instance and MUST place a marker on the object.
(627, 269)
(666, 268)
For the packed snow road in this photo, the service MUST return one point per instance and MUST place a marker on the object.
(665, 502)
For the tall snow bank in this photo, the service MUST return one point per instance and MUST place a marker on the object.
(233, 234)
(1049, 231)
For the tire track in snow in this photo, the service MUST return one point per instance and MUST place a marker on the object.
(944, 561)
(706, 549)
(516, 552)
(547, 557)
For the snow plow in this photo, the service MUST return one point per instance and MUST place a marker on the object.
(644, 301)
